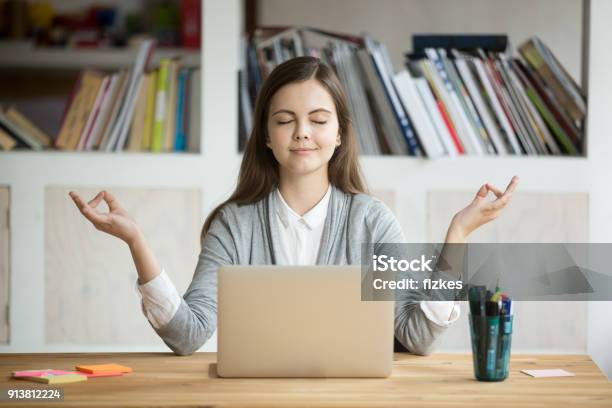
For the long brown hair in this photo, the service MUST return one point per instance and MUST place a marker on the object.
(259, 169)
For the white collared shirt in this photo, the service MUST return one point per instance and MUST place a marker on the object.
(300, 241)
(300, 236)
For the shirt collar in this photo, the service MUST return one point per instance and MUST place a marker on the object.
(312, 219)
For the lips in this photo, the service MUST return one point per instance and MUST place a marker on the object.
(303, 149)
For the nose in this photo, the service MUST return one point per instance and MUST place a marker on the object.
(302, 132)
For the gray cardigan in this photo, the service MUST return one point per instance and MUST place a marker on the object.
(248, 234)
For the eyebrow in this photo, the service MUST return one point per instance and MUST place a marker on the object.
(293, 113)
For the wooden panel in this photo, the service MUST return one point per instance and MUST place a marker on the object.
(441, 380)
(4, 264)
(90, 279)
(530, 217)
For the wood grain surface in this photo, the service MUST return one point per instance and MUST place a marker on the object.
(440, 380)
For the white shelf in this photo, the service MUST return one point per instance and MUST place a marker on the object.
(143, 168)
(27, 56)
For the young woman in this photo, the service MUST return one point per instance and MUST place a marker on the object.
(300, 199)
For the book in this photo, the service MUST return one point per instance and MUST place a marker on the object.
(561, 117)
(180, 125)
(161, 100)
(94, 113)
(453, 103)
(460, 42)
(79, 109)
(116, 103)
(448, 108)
(27, 126)
(121, 126)
(467, 103)
(16, 132)
(170, 119)
(194, 131)
(190, 23)
(510, 104)
(93, 140)
(134, 142)
(381, 106)
(411, 101)
(564, 141)
(484, 111)
(150, 111)
(492, 97)
(436, 116)
(539, 57)
(385, 71)
(91, 84)
(521, 105)
(68, 114)
(423, 69)
(7, 142)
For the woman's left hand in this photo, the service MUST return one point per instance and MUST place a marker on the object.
(479, 211)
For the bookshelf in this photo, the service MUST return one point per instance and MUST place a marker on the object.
(30, 57)
(213, 171)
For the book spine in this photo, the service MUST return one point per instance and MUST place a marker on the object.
(61, 138)
(412, 103)
(179, 141)
(499, 112)
(435, 116)
(457, 111)
(160, 106)
(536, 60)
(18, 133)
(170, 119)
(487, 119)
(191, 14)
(150, 112)
(400, 116)
(518, 76)
(94, 114)
(468, 105)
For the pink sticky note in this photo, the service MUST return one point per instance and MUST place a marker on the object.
(40, 373)
(548, 373)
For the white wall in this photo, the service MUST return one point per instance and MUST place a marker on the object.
(599, 148)
(557, 22)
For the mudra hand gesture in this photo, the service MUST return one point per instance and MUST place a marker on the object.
(116, 222)
(480, 211)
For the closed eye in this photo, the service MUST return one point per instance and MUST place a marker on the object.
(283, 123)
(319, 122)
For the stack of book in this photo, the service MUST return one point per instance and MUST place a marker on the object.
(17, 131)
(134, 109)
(450, 100)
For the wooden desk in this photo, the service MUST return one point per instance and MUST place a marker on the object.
(441, 380)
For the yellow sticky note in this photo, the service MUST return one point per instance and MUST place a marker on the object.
(58, 379)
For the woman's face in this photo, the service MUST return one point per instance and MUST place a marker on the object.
(303, 129)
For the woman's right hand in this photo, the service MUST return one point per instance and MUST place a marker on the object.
(116, 222)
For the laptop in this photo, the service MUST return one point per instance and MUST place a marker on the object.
(300, 321)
